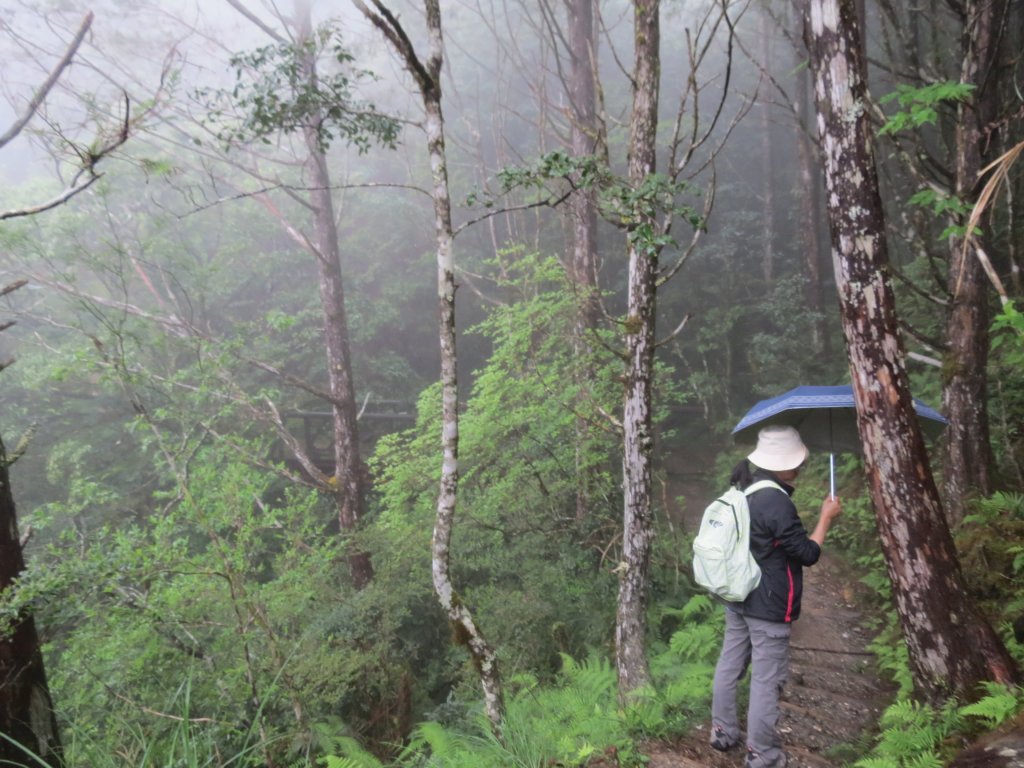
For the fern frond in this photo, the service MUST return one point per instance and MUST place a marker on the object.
(696, 642)
(435, 737)
(698, 606)
(925, 760)
(999, 704)
(352, 754)
(877, 762)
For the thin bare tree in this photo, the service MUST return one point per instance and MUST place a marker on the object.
(427, 75)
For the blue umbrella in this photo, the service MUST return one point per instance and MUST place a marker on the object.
(825, 417)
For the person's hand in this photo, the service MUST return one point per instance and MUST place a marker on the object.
(831, 508)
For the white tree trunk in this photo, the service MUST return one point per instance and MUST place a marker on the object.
(638, 440)
(428, 79)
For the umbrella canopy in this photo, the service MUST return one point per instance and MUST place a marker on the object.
(825, 417)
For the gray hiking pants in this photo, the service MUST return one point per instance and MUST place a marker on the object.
(764, 645)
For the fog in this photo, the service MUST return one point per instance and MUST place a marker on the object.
(196, 236)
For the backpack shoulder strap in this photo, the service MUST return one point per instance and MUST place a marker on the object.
(763, 484)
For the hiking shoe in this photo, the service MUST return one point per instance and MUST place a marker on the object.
(720, 741)
(754, 760)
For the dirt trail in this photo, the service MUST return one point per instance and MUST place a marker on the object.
(833, 695)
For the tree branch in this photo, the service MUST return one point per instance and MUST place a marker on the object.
(40, 95)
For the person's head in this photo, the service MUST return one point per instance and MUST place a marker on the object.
(779, 450)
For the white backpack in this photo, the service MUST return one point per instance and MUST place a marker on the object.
(722, 562)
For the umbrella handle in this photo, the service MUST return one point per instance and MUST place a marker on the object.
(832, 474)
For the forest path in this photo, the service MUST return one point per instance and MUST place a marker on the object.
(834, 695)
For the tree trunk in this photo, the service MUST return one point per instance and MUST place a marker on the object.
(483, 654)
(631, 623)
(810, 214)
(952, 647)
(349, 480)
(583, 210)
(767, 166)
(584, 137)
(26, 711)
(428, 79)
(969, 457)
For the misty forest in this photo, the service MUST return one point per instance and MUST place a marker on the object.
(366, 367)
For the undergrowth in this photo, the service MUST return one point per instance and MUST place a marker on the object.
(578, 719)
(915, 735)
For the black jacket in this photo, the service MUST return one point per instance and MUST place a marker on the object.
(781, 546)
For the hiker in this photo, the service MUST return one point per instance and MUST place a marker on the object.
(757, 630)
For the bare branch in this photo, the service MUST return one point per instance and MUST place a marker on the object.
(89, 158)
(12, 287)
(941, 301)
(392, 29)
(285, 187)
(52, 203)
(1000, 170)
(934, 362)
(40, 95)
(709, 204)
(675, 333)
(273, 33)
(548, 203)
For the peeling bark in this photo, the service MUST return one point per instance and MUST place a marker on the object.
(952, 647)
(631, 623)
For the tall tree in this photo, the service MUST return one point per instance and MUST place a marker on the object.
(952, 647)
(953, 60)
(427, 75)
(768, 180)
(27, 719)
(318, 111)
(810, 209)
(969, 458)
(349, 481)
(638, 440)
(585, 142)
(647, 204)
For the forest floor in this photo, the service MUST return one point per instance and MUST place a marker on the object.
(834, 695)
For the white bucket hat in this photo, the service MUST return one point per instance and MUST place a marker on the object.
(779, 448)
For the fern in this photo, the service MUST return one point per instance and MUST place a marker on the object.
(877, 762)
(1002, 503)
(911, 735)
(926, 760)
(999, 704)
(434, 739)
(892, 655)
(698, 606)
(352, 755)
(565, 724)
(696, 643)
